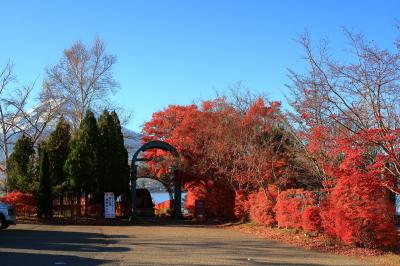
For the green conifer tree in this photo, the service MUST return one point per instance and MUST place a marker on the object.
(44, 196)
(113, 155)
(21, 172)
(82, 165)
(58, 147)
(122, 164)
(107, 182)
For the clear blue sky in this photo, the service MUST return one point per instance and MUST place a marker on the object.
(174, 52)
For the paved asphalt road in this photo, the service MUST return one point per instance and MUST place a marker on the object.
(149, 245)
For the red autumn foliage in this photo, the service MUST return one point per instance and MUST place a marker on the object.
(327, 213)
(289, 209)
(222, 145)
(290, 206)
(242, 205)
(23, 203)
(229, 154)
(261, 209)
(163, 208)
(349, 122)
(356, 209)
(218, 200)
(311, 220)
(164, 205)
(360, 214)
(358, 171)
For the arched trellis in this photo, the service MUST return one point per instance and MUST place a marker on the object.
(156, 144)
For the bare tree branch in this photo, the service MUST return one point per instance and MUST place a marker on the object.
(82, 80)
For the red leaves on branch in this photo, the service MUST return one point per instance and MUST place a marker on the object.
(242, 205)
(219, 145)
(360, 212)
(298, 209)
(259, 113)
(164, 205)
(357, 210)
(261, 209)
(219, 200)
(311, 220)
(235, 159)
(290, 206)
(23, 203)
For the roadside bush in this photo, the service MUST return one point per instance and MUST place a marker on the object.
(327, 213)
(219, 200)
(311, 220)
(242, 205)
(23, 203)
(361, 213)
(290, 206)
(261, 209)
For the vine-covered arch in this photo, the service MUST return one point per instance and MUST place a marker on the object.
(156, 144)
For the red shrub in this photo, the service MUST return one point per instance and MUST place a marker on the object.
(361, 213)
(327, 213)
(242, 205)
(357, 209)
(219, 200)
(261, 209)
(23, 203)
(220, 203)
(164, 205)
(288, 209)
(290, 206)
(311, 219)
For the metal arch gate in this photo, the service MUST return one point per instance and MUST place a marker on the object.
(156, 144)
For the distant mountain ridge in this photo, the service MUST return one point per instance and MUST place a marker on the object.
(132, 140)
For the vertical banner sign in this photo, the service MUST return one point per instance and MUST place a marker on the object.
(109, 205)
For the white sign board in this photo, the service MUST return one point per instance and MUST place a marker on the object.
(109, 205)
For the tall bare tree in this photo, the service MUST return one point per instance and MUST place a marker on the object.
(15, 117)
(359, 94)
(82, 80)
(12, 102)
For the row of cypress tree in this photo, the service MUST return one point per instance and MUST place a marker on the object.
(92, 160)
(98, 160)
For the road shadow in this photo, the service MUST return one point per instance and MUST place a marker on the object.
(41, 240)
(21, 258)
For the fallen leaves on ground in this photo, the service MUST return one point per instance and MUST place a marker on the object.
(319, 242)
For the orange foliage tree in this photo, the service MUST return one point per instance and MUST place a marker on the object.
(225, 149)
